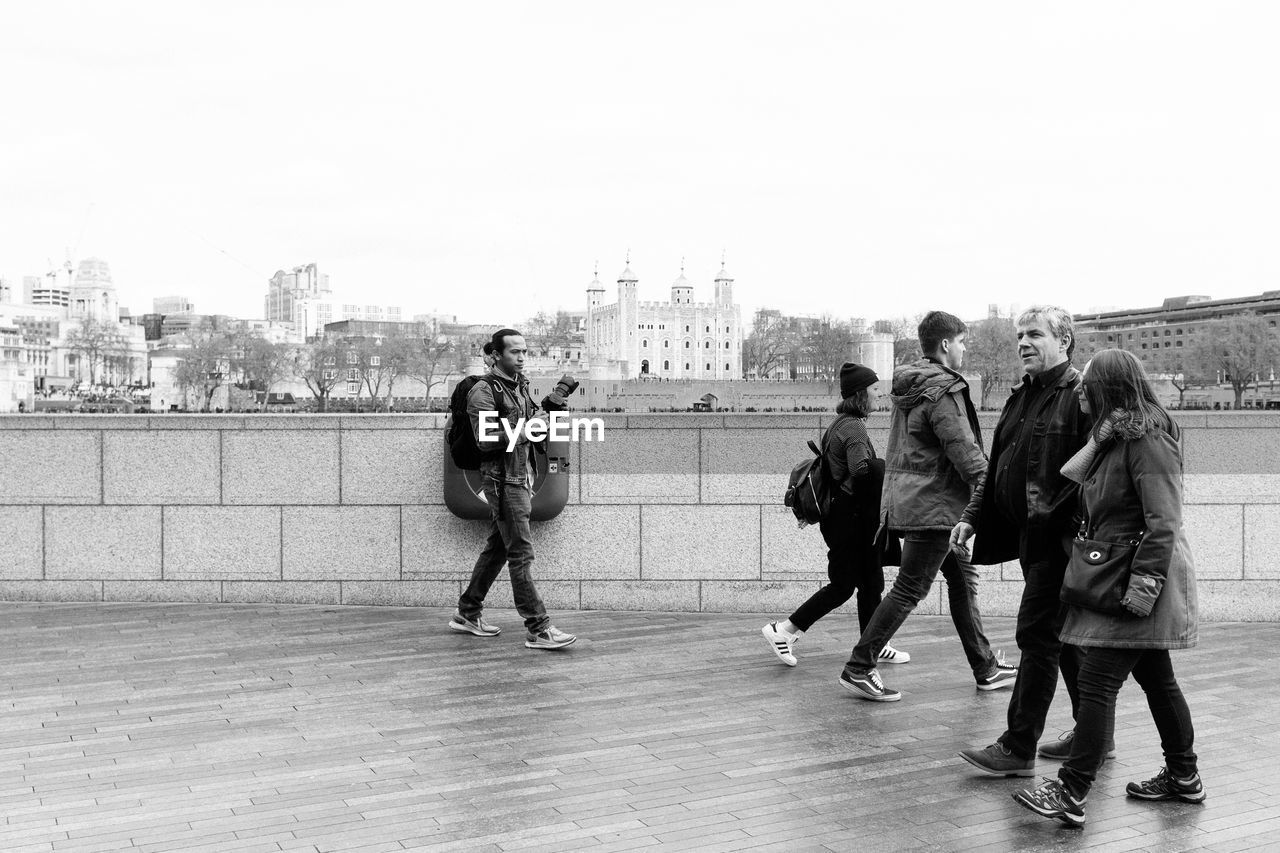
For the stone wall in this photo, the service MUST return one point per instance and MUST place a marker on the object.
(670, 512)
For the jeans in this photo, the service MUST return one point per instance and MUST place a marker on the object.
(509, 543)
(852, 564)
(1041, 654)
(1102, 672)
(923, 554)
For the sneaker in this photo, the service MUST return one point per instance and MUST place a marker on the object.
(782, 643)
(868, 686)
(1164, 787)
(1060, 749)
(476, 626)
(997, 760)
(1052, 800)
(891, 655)
(1003, 676)
(550, 637)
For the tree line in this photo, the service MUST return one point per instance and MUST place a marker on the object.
(1241, 351)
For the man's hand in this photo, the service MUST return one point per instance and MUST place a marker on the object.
(960, 536)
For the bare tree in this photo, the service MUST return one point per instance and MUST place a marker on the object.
(1242, 349)
(770, 345)
(260, 364)
(546, 334)
(204, 368)
(94, 342)
(431, 359)
(319, 366)
(991, 351)
(826, 347)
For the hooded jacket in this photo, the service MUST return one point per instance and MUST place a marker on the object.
(517, 465)
(934, 457)
(1134, 486)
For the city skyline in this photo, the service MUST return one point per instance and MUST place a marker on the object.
(854, 160)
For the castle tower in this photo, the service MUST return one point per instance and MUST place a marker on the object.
(681, 289)
(628, 315)
(595, 326)
(724, 286)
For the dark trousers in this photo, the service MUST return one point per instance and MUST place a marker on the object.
(852, 565)
(924, 554)
(509, 543)
(1041, 654)
(1102, 672)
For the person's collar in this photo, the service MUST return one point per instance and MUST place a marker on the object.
(1053, 375)
(497, 371)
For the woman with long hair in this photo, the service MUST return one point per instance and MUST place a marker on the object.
(1131, 515)
(849, 528)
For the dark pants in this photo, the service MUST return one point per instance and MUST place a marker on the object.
(1041, 653)
(509, 542)
(852, 565)
(1102, 672)
(924, 553)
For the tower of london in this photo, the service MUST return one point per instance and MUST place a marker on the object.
(678, 339)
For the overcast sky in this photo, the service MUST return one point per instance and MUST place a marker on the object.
(861, 159)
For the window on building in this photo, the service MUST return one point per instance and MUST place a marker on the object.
(666, 365)
(708, 365)
(686, 328)
(353, 387)
(726, 330)
(1179, 343)
(686, 365)
(686, 344)
(353, 357)
(330, 374)
(726, 344)
(329, 360)
(353, 374)
(708, 328)
(726, 365)
(645, 342)
(666, 344)
(375, 361)
(706, 344)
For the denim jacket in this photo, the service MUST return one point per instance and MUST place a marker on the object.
(516, 466)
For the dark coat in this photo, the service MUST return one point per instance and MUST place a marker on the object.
(1060, 430)
(1135, 484)
(934, 456)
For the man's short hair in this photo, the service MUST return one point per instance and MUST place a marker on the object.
(936, 327)
(1057, 319)
(499, 341)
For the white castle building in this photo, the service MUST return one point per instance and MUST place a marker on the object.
(680, 339)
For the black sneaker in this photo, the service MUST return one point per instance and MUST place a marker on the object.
(997, 760)
(1164, 787)
(1052, 800)
(867, 685)
(1004, 675)
(1060, 749)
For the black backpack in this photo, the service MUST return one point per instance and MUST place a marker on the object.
(464, 450)
(809, 490)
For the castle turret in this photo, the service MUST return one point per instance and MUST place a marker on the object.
(681, 289)
(724, 286)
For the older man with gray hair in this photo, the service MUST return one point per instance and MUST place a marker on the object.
(1025, 510)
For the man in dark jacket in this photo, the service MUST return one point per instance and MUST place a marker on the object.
(508, 481)
(933, 460)
(1025, 510)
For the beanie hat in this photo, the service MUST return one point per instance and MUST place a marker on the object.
(855, 377)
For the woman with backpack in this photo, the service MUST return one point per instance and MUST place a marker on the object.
(849, 527)
(1130, 588)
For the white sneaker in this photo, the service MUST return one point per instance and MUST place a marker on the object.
(891, 655)
(782, 643)
(549, 638)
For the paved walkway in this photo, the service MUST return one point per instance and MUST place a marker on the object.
(257, 728)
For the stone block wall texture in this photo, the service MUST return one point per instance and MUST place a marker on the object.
(670, 512)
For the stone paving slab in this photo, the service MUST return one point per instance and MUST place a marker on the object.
(162, 727)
